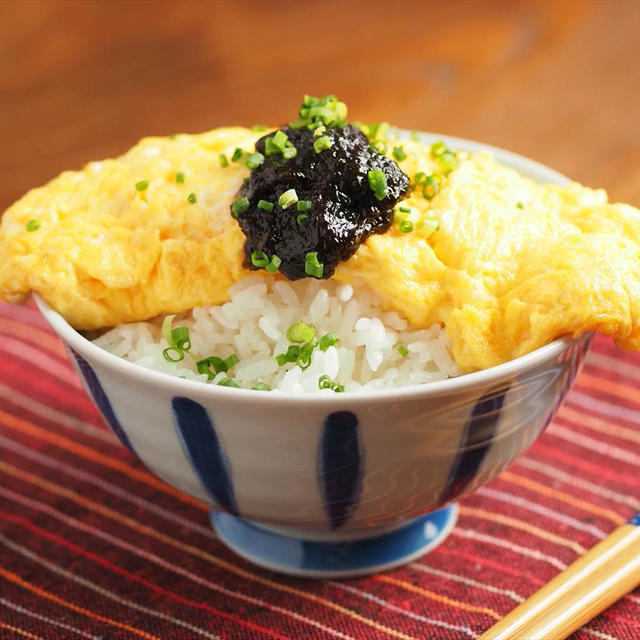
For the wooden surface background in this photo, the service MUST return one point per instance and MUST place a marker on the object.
(556, 81)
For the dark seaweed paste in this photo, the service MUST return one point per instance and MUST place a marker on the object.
(339, 208)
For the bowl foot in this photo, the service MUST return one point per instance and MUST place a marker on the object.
(343, 559)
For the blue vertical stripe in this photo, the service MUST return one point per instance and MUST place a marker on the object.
(341, 467)
(202, 447)
(480, 428)
(102, 401)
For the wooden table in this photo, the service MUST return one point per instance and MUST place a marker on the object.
(556, 81)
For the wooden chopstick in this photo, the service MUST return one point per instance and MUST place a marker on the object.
(592, 583)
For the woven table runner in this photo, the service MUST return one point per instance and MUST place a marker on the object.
(93, 546)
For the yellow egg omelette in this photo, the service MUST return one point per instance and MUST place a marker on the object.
(503, 263)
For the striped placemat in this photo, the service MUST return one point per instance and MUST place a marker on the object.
(92, 545)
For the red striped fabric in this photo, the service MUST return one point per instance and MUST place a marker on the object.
(93, 546)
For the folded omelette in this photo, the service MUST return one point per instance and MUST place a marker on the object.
(504, 263)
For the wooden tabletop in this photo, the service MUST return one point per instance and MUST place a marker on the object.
(555, 81)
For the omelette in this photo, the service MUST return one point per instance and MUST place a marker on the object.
(505, 264)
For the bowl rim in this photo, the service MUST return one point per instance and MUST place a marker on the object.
(481, 378)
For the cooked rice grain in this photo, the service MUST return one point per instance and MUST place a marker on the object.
(254, 323)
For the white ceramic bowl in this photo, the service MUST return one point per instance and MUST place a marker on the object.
(336, 485)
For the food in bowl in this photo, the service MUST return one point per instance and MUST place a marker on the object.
(322, 256)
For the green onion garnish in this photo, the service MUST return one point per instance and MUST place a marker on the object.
(300, 332)
(180, 177)
(238, 154)
(447, 161)
(229, 382)
(224, 161)
(231, 361)
(378, 183)
(304, 358)
(274, 264)
(239, 206)
(259, 127)
(192, 198)
(406, 226)
(380, 146)
(142, 185)
(325, 382)
(312, 267)
(288, 198)
(402, 350)
(265, 205)
(438, 148)
(178, 340)
(304, 205)
(290, 356)
(211, 366)
(322, 143)
(418, 178)
(259, 259)
(431, 186)
(279, 143)
(399, 153)
(302, 219)
(404, 209)
(254, 160)
(261, 386)
(32, 225)
(328, 340)
(520, 205)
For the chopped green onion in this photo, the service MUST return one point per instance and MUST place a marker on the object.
(325, 382)
(312, 267)
(259, 259)
(261, 386)
(438, 148)
(402, 350)
(404, 209)
(254, 160)
(302, 219)
(32, 225)
(328, 340)
(274, 264)
(430, 186)
(143, 185)
(211, 366)
(180, 177)
(166, 328)
(239, 206)
(167, 354)
(318, 129)
(300, 332)
(418, 178)
(520, 205)
(380, 146)
(238, 154)
(265, 205)
(192, 198)
(290, 356)
(224, 161)
(304, 358)
(279, 143)
(327, 111)
(229, 382)
(378, 183)
(280, 139)
(399, 153)
(406, 226)
(304, 205)
(322, 143)
(180, 339)
(288, 198)
(289, 152)
(447, 161)
(378, 130)
(231, 361)
(259, 127)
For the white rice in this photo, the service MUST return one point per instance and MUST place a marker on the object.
(253, 325)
